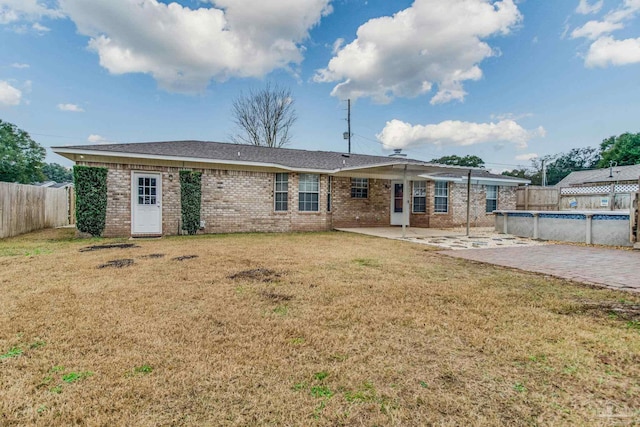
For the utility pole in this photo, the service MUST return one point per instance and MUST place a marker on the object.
(544, 175)
(349, 122)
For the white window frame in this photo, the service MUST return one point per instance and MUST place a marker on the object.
(421, 193)
(277, 191)
(308, 184)
(491, 199)
(437, 194)
(359, 188)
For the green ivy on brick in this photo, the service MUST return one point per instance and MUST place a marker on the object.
(190, 198)
(91, 199)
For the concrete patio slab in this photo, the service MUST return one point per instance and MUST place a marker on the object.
(611, 268)
(449, 238)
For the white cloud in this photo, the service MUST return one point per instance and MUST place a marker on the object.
(40, 28)
(594, 29)
(433, 42)
(183, 48)
(510, 116)
(398, 134)
(12, 11)
(604, 49)
(19, 65)
(97, 139)
(337, 45)
(608, 51)
(70, 107)
(586, 8)
(9, 95)
(527, 157)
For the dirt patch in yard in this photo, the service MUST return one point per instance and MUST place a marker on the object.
(184, 257)
(619, 309)
(117, 263)
(152, 256)
(275, 296)
(257, 274)
(109, 246)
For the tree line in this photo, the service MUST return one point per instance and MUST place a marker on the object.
(619, 150)
(22, 159)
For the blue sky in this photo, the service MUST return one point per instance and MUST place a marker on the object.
(504, 80)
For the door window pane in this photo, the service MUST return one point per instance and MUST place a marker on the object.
(147, 191)
(397, 198)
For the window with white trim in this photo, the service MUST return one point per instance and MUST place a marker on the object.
(492, 198)
(281, 192)
(308, 192)
(359, 188)
(419, 196)
(441, 198)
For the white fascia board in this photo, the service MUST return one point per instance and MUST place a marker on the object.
(441, 178)
(500, 181)
(479, 181)
(62, 150)
(444, 168)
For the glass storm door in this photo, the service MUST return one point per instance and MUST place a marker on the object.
(146, 203)
(397, 193)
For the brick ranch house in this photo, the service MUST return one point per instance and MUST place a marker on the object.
(258, 189)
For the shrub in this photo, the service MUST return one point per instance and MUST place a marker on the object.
(91, 199)
(190, 197)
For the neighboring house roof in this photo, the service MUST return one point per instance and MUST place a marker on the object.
(53, 184)
(618, 173)
(251, 155)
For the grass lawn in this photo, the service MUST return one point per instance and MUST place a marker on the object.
(303, 329)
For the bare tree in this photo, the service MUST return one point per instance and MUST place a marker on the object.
(264, 117)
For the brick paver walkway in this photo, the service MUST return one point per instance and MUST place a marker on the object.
(612, 268)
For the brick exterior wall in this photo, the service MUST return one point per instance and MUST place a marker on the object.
(457, 215)
(243, 201)
(350, 212)
(232, 201)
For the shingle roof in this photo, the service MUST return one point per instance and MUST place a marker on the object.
(293, 158)
(286, 157)
(619, 173)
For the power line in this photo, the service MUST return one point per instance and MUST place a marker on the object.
(55, 136)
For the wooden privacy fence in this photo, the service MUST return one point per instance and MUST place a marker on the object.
(25, 208)
(594, 197)
(535, 198)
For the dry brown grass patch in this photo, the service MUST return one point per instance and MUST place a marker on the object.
(303, 329)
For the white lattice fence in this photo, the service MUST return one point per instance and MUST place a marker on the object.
(600, 189)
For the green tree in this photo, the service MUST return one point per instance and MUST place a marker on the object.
(57, 173)
(20, 156)
(531, 174)
(561, 165)
(623, 150)
(453, 160)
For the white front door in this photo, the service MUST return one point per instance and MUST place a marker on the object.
(397, 202)
(146, 203)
